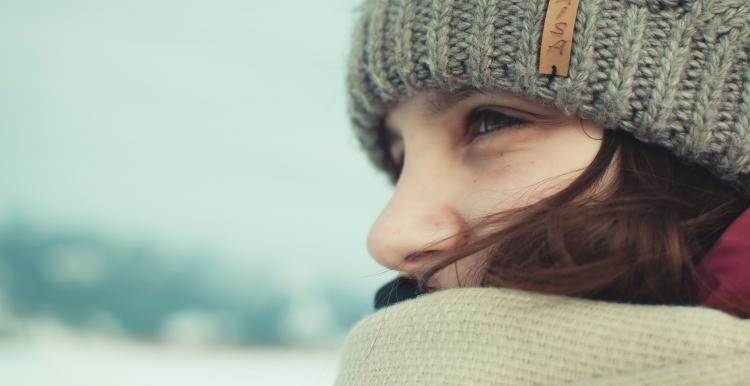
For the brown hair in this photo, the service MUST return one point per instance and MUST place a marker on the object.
(636, 239)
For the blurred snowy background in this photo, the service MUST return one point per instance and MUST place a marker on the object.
(181, 198)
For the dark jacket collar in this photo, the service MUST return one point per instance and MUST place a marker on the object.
(399, 289)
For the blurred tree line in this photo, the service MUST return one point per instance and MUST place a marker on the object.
(83, 280)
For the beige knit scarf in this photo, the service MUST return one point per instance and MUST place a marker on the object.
(490, 336)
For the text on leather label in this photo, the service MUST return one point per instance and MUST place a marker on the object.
(557, 37)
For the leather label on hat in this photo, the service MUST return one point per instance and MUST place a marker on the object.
(557, 37)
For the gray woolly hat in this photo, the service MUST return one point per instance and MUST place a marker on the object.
(674, 73)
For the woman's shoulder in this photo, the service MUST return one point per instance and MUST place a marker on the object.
(491, 335)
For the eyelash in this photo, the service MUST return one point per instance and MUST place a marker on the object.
(475, 117)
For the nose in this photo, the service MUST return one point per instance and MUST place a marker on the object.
(419, 224)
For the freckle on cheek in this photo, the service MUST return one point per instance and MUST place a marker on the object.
(502, 172)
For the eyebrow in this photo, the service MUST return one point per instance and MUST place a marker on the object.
(442, 100)
(439, 102)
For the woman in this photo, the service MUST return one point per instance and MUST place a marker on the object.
(572, 183)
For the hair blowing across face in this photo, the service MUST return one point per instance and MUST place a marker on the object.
(637, 239)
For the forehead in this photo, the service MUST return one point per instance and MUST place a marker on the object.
(437, 101)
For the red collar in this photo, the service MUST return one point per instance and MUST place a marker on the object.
(725, 271)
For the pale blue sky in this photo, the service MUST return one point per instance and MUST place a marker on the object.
(193, 123)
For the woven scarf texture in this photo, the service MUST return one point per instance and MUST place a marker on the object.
(492, 336)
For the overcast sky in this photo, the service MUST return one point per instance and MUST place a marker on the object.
(192, 123)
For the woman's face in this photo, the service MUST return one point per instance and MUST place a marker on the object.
(466, 155)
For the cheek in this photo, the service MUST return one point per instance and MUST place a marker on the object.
(523, 178)
(500, 186)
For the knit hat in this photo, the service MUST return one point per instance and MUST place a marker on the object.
(674, 73)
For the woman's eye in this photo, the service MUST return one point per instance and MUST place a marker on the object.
(482, 121)
(486, 120)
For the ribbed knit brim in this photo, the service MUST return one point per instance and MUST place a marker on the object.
(673, 73)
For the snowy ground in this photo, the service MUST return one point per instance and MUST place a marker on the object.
(88, 361)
